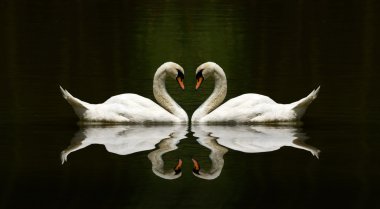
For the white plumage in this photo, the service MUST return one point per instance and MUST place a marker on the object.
(125, 140)
(133, 108)
(247, 108)
(257, 139)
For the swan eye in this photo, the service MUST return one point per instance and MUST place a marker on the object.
(199, 74)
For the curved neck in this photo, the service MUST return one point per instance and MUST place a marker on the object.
(155, 157)
(163, 98)
(216, 97)
(216, 157)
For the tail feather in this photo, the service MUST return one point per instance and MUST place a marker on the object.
(79, 106)
(301, 105)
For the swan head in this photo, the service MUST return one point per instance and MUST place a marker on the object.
(175, 71)
(210, 175)
(196, 167)
(177, 168)
(206, 70)
(169, 175)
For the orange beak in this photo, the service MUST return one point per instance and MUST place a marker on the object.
(196, 165)
(179, 165)
(199, 82)
(180, 82)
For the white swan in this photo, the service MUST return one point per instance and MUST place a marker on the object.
(247, 108)
(132, 108)
(120, 139)
(125, 140)
(247, 139)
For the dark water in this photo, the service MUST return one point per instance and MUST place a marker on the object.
(282, 49)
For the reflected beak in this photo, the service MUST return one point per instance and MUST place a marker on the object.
(178, 167)
(196, 167)
(180, 82)
(199, 82)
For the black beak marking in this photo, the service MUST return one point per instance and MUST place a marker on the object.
(180, 75)
(177, 171)
(199, 75)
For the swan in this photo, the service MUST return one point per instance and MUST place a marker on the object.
(133, 108)
(246, 139)
(247, 108)
(126, 140)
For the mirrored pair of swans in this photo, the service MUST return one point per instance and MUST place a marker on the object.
(125, 140)
(133, 108)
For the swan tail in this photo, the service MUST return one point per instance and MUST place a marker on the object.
(64, 155)
(301, 105)
(79, 106)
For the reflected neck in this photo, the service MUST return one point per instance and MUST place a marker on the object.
(155, 157)
(216, 157)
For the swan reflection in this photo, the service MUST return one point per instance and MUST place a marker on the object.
(209, 140)
(125, 140)
(247, 139)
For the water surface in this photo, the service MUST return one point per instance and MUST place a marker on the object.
(98, 49)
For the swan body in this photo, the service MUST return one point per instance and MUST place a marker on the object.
(133, 108)
(247, 139)
(119, 139)
(126, 140)
(247, 108)
(258, 139)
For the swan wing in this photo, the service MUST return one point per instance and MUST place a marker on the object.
(131, 108)
(241, 109)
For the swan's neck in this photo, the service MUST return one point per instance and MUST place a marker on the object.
(216, 157)
(164, 99)
(216, 98)
(155, 157)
